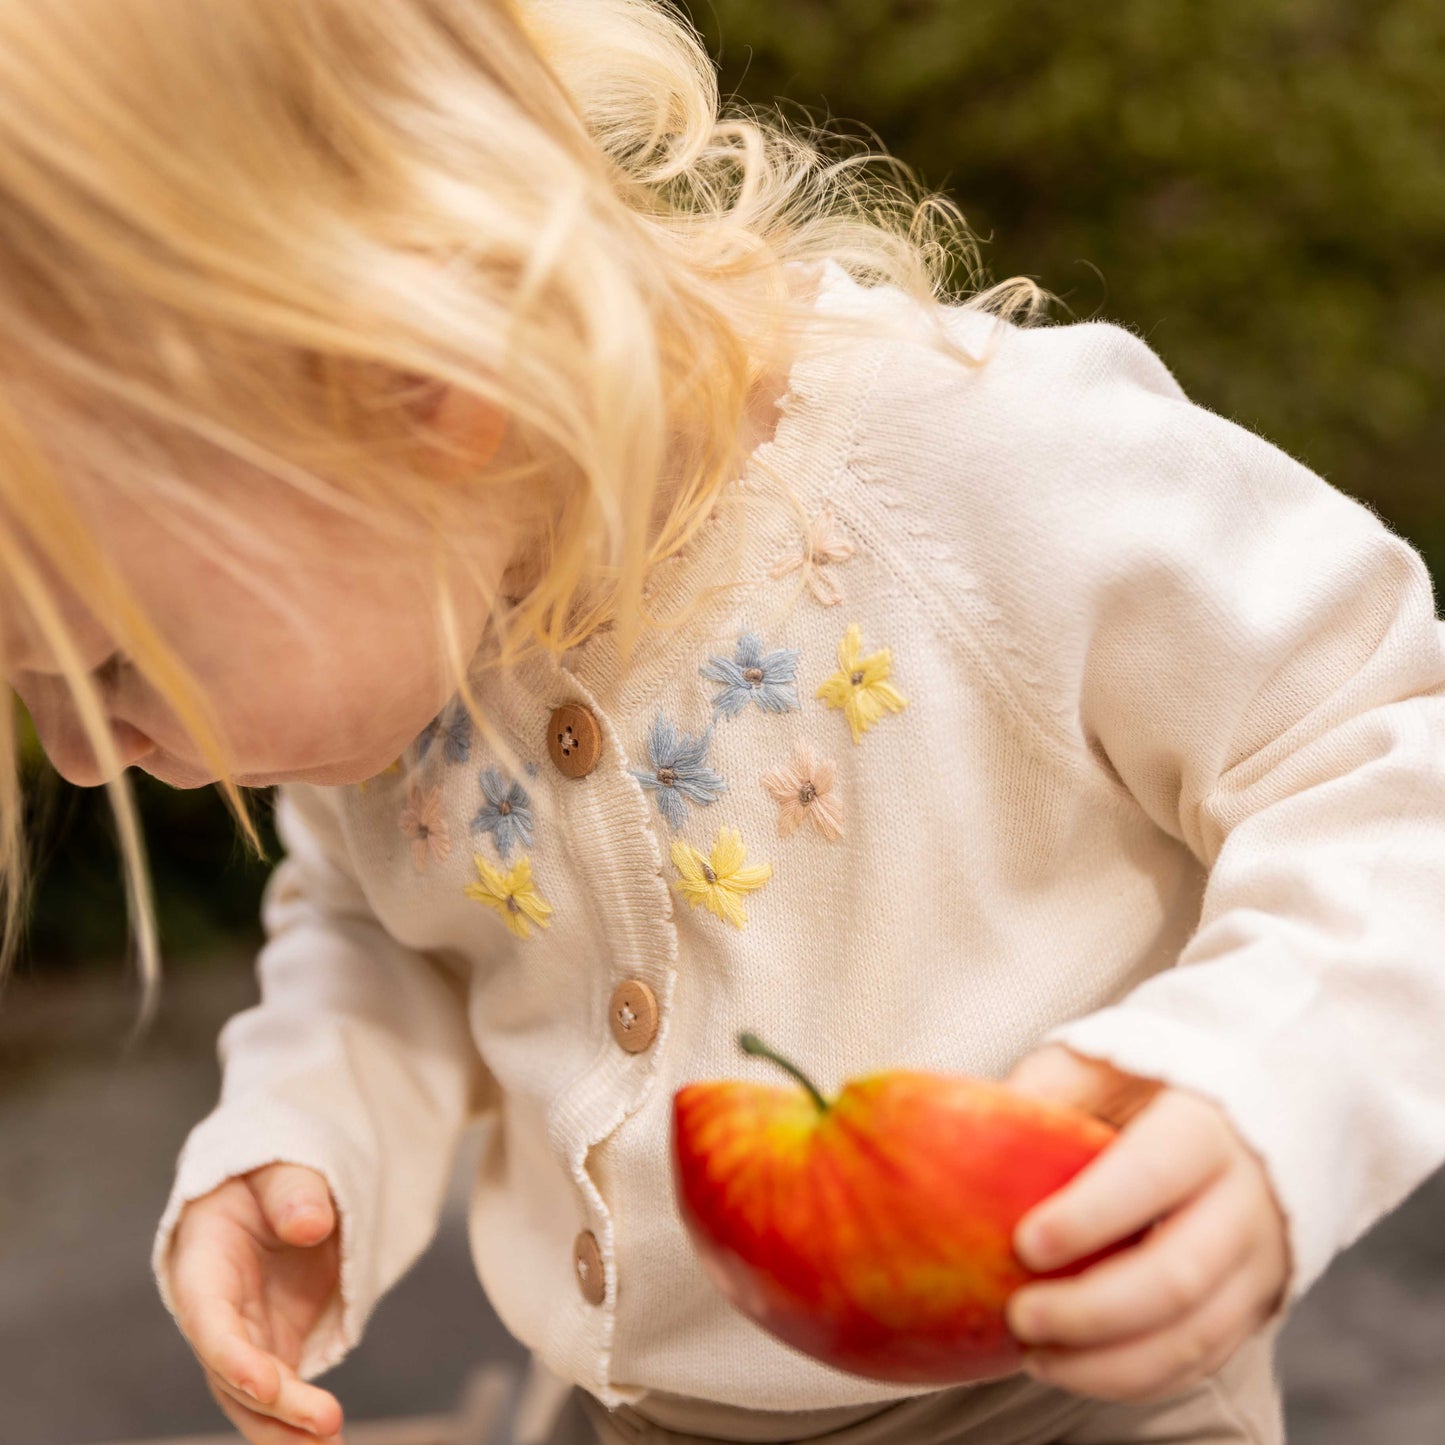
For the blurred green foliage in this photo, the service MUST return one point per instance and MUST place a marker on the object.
(1255, 186)
(206, 880)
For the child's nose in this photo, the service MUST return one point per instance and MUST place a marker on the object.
(69, 749)
(130, 743)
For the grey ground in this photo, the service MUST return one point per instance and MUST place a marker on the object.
(88, 1354)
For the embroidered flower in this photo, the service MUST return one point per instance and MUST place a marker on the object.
(802, 790)
(718, 882)
(860, 686)
(823, 543)
(766, 677)
(678, 770)
(512, 894)
(453, 725)
(506, 812)
(392, 767)
(422, 821)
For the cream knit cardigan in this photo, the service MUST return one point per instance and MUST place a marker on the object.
(1162, 777)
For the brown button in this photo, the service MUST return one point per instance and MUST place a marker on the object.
(633, 1015)
(574, 740)
(588, 1261)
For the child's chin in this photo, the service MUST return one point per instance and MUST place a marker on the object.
(172, 773)
(177, 774)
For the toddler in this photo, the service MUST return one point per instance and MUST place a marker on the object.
(666, 611)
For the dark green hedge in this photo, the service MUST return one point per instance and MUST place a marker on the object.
(207, 882)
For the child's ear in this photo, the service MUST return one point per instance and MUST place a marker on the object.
(472, 427)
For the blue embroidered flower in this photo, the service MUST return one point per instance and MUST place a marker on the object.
(455, 732)
(766, 677)
(506, 814)
(678, 770)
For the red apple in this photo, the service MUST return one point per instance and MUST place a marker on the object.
(875, 1232)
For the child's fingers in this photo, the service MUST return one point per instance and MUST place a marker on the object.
(217, 1332)
(261, 1429)
(1158, 1363)
(253, 1377)
(295, 1201)
(1149, 1286)
(1175, 1146)
(300, 1407)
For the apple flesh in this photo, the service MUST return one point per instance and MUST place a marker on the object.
(874, 1232)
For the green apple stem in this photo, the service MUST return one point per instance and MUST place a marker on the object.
(752, 1044)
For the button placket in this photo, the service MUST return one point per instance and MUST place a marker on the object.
(604, 824)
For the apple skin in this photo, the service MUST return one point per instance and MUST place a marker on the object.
(876, 1234)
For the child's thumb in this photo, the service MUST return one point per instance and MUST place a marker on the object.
(295, 1201)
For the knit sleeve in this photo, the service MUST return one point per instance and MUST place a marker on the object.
(1253, 657)
(357, 1062)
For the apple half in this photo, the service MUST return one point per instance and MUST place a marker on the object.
(874, 1231)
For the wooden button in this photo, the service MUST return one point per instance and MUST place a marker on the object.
(574, 740)
(633, 1015)
(587, 1259)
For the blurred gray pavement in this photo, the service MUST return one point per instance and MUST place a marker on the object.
(88, 1353)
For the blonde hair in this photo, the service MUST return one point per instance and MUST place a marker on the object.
(236, 226)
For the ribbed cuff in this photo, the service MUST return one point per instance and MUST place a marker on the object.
(245, 1134)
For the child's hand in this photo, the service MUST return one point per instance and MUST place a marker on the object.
(1154, 1319)
(253, 1265)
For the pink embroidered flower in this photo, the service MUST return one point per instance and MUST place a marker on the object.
(824, 543)
(803, 790)
(422, 821)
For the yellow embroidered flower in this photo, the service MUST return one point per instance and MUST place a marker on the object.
(719, 882)
(512, 894)
(860, 686)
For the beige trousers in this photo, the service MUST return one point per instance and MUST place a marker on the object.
(1238, 1405)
